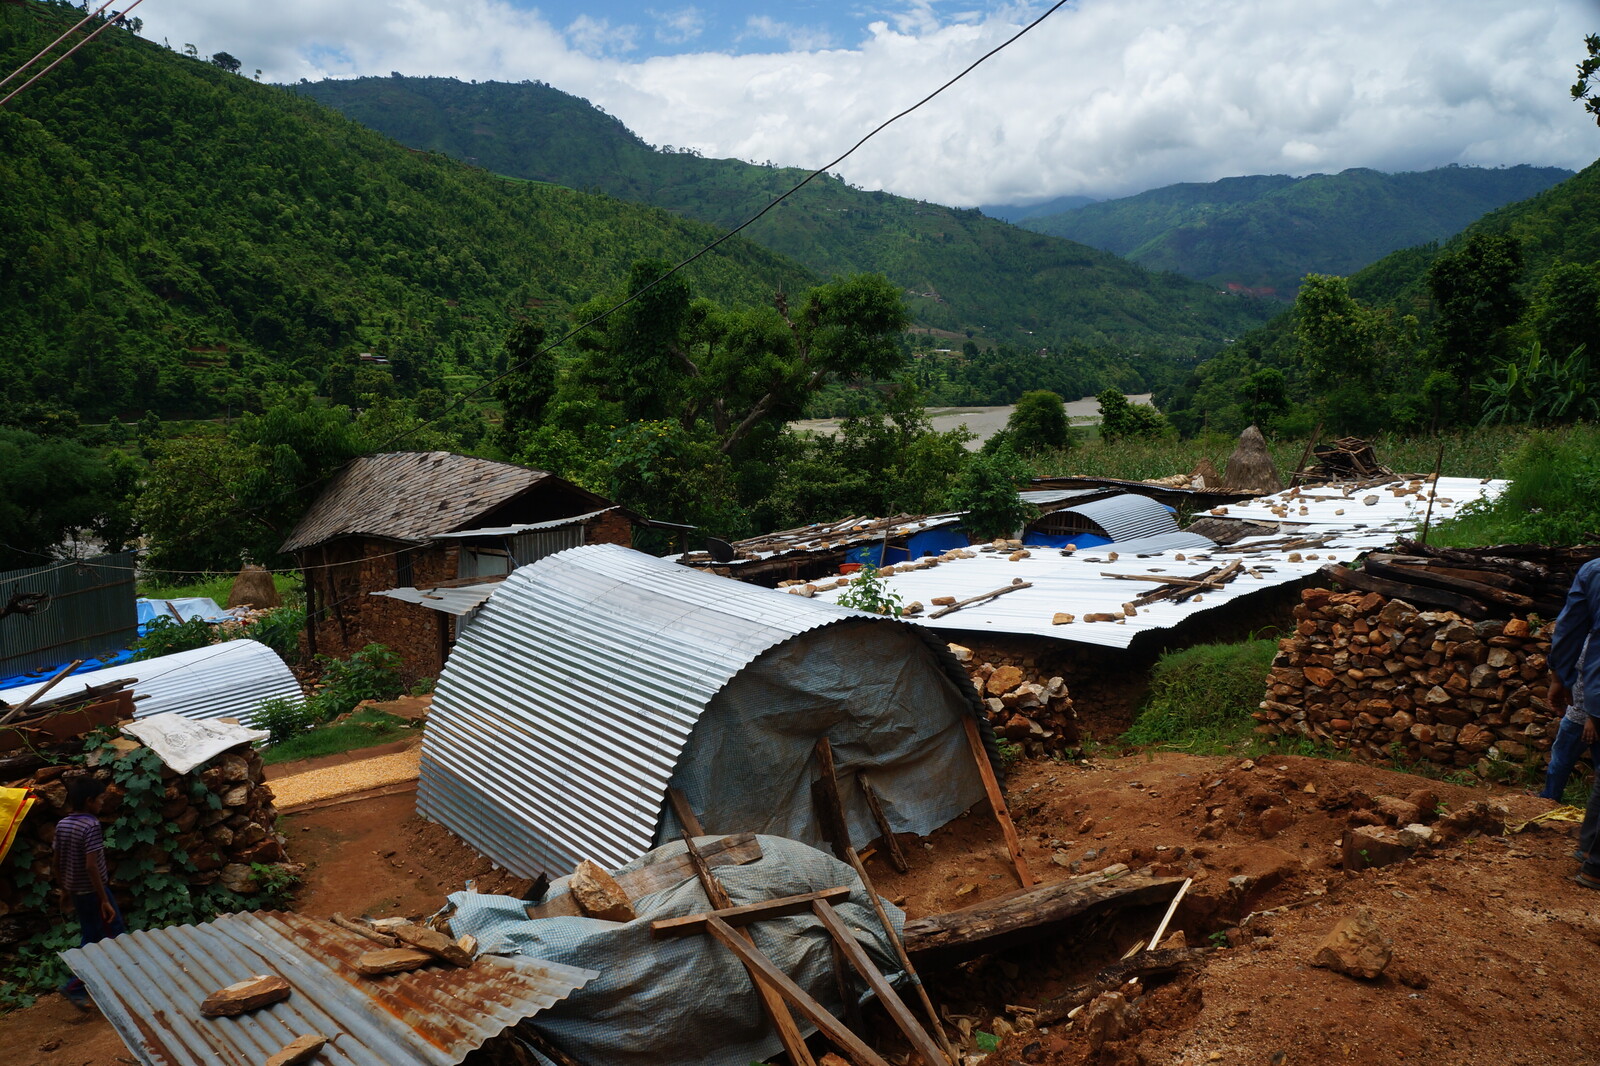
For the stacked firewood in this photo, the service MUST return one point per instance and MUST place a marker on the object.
(226, 826)
(1036, 713)
(1477, 583)
(1381, 678)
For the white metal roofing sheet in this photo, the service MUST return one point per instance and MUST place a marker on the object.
(457, 601)
(1126, 516)
(1398, 505)
(228, 680)
(523, 527)
(1075, 584)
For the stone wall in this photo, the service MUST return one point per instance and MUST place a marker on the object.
(348, 617)
(1380, 678)
(224, 837)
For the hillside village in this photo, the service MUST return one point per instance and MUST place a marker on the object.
(492, 615)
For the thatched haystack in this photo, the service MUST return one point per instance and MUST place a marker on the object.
(254, 588)
(1250, 467)
(1204, 476)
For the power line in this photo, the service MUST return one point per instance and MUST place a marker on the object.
(42, 52)
(98, 30)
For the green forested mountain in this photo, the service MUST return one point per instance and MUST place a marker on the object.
(1269, 231)
(177, 238)
(961, 270)
(1430, 335)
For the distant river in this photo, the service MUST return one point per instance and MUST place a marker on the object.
(984, 421)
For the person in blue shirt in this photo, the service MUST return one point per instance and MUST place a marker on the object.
(1578, 622)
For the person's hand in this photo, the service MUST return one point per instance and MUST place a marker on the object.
(108, 913)
(1590, 733)
(1559, 697)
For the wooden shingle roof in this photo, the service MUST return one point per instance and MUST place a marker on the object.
(411, 496)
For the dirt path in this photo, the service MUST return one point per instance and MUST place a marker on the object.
(1493, 941)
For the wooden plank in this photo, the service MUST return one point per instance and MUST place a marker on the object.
(891, 844)
(920, 1042)
(826, 803)
(1417, 594)
(782, 907)
(33, 697)
(768, 976)
(1013, 587)
(685, 813)
(771, 1001)
(997, 801)
(734, 850)
(1188, 582)
(1018, 916)
(1146, 964)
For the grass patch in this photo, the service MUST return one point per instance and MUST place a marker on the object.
(216, 587)
(1554, 496)
(1201, 698)
(364, 729)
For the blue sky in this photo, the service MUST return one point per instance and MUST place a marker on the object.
(1105, 98)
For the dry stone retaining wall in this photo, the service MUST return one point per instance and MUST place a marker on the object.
(1381, 678)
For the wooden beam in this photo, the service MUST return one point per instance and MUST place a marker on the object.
(997, 801)
(734, 850)
(1018, 916)
(771, 1000)
(920, 1042)
(770, 978)
(891, 844)
(685, 813)
(1188, 582)
(825, 801)
(1013, 587)
(782, 907)
(33, 698)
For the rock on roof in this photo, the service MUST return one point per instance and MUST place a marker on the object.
(411, 496)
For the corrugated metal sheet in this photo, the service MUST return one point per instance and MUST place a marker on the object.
(228, 680)
(1076, 584)
(523, 527)
(1126, 516)
(1045, 497)
(456, 601)
(150, 984)
(595, 664)
(88, 611)
(1399, 505)
(824, 538)
(1181, 541)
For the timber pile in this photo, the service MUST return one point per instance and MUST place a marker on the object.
(223, 841)
(1346, 459)
(1036, 713)
(1493, 582)
(1376, 676)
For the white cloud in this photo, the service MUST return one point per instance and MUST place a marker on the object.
(1106, 97)
(679, 27)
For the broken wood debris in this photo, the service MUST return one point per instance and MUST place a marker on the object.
(362, 929)
(1145, 964)
(1016, 585)
(734, 850)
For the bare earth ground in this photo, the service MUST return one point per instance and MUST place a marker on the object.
(1494, 943)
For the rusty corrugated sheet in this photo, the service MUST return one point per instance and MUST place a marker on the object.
(150, 985)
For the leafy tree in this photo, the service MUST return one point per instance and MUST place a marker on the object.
(1474, 289)
(1566, 313)
(528, 386)
(226, 62)
(1583, 89)
(987, 492)
(1038, 423)
(1121, 420)
(53, 490)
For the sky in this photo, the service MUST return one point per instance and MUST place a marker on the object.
(1103, 98)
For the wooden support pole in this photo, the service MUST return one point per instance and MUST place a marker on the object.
(40, 691)
(997, 801)
(685, 813)
(771, 1001)
(1155, 941)
(782, 907)
(891, 845)
(826, 801)
(920, 1042)
(1013, 587)
(775, 982)
(904, 957)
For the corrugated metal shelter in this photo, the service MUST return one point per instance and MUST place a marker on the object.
(79, 609)
(1121, 517)
(150, 984)
(229, 680)
(594, 679)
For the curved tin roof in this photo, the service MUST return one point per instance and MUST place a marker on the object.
(593, 665)
(1127, 516)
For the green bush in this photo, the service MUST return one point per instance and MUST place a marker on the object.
(279, 629)
(1202, 697)
(373, 673)
(165, 636)
(1553, 498)
(283, 719)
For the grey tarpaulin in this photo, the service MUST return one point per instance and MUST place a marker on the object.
(683, 1001)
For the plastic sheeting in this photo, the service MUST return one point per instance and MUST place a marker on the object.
(682, 1001)
(187, 607)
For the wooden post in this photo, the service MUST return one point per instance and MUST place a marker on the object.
(16, 712)
(771, 1001)
(685, 813)
(891, 845)
(1433, 494)
(920, 1042)
(1295, 478)
(825, 799)
(997, 801)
